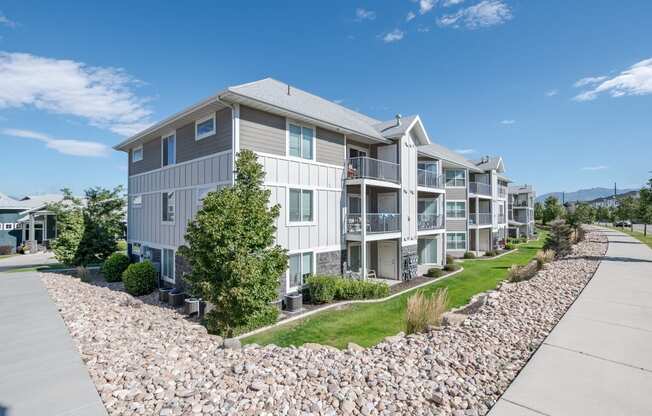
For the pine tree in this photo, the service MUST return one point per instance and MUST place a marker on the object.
(559, 238)
(234, 262)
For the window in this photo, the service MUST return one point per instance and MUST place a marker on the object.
(136, 201)
(455, 209)
(456, 241)
(301, 141)
(205, 127)
(355, 254)
(300, 269)
(9, 226)
(137, 154)
(167, 264)
(455, 177)
(300, 205)
(355, 204)
(135, 249)
(168, 206)
(428, 166)
(169, 144)
(427, 250)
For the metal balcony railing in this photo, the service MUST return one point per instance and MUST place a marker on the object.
(502, 192)
(429, 179)
(366, 167)
(482, 218)
(501, 219)
(376, 223)
(480, 188)
(430, 221)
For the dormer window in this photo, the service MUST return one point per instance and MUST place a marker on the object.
(205, 127)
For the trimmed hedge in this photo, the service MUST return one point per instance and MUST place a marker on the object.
(114, 266)
(140, 278)
(325, 289)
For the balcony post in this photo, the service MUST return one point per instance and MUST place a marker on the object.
(363, 232)
(477, 227)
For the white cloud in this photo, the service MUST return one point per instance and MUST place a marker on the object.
(64, 146)
(102, 96)
(393, 36)
(484, 14)
(425, 6)
(552, 93)
(507, 122)
(465, 151)
(599, 167)
(363, 14)
(5, 21)
(423, 29)
(410, 16)
(636, 80)
(448, 3)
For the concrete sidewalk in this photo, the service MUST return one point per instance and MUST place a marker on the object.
(41, 372)
(598, 359)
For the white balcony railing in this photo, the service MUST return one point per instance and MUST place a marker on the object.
(479, 188)
(366, 167)
(502, 191)
(429, 179)
(430, 221)
(376, 223)
(482, 218)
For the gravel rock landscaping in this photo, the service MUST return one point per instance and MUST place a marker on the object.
(145, 359)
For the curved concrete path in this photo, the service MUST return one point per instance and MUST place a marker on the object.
(598, 359)
(41, 372)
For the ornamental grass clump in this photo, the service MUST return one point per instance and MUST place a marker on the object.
(424, 311)
(519, 273)
(83, 273)
(544, 256)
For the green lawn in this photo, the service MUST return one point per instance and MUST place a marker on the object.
(41, 268)
(368, 324)
(639, 236)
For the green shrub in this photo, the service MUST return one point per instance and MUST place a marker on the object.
(559, 239)
(139, 278)
(469, 255)
(114, 266)
(122, 245)
(435, 272)
(510, 246)
(83, 273)
(450, 259)
(451, 267)
(325, 289)
(490, 253)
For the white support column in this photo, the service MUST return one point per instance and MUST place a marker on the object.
(363, 232)
(477, 225)
(32, 233)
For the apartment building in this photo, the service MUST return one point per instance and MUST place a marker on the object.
(521, 211)
(357, 194)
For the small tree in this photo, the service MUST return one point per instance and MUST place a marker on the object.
(578, 214)
(627, 209)
(232, 254)
(645, 205)
(552, 210)
(103, 219)
(559, 238)
(538, 212)
(70, 227)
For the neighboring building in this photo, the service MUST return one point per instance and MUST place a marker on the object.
(521, 211)
(26, 220)
(356, 194)
(612, 201)
(487, 192)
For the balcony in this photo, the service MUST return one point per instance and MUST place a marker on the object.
(501, 219)
(369, 168)
(502, 191)
(429, 179)
(482, 218)
(426, 222)
(520, 204)
(479, 188)
(376, 223)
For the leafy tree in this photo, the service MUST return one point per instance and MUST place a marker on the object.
(627, 209)
(559, 238)
(552, 209)
(578, 214)
(604, 214)
(232, 254)
(103, 224)
(645, 205)
(538, 212)
(69, 225)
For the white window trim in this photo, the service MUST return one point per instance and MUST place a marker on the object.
(138, 204)
(466, 179)
(167, 222)
(9, 226)
(435, 238)
(287, 140)
(207, 134)
(292, 289)
(456, 218)
(133, 153)
(174, 266)
(163, 137)
(457, 233)
(289, 223)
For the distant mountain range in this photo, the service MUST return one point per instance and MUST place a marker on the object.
(583, 194)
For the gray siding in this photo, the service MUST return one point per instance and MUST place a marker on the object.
(330, 147)
(188, 148)
(151, 158)
(458, 194)
(455, 225)
(261, 131)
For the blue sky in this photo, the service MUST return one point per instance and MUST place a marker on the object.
(562, 90)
